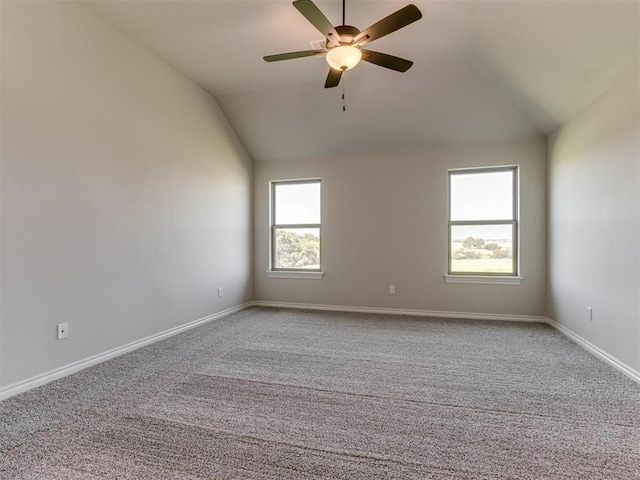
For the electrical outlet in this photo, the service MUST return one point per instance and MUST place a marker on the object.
(590, 314)
(392, 289)
(219, 291)
(63, 331)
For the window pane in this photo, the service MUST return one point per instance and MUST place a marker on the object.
(297, 203)
(482, 196)
(297, 248)
(482, 249)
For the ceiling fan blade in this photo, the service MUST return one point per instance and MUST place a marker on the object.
(317, 19)
(387, 25)
(333, 79)
(291, 55)
(387, 61)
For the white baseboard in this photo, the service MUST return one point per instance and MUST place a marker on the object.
(598, 352)
(23, 386)
(33, 382)
(397, 311)
(614, 362)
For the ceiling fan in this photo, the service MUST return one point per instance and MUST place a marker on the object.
(344, 42)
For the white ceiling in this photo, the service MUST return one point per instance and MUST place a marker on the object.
(484, 70)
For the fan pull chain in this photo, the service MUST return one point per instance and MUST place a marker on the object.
(344, 102)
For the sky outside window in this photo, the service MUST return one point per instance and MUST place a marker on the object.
(297, 203)
(482, 196)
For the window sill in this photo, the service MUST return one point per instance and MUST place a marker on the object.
(292, 274)
(483, 279)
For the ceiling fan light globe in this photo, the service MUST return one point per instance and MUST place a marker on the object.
(344, 57)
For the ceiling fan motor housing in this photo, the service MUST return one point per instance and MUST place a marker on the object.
(347, 34)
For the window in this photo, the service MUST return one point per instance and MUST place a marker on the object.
(483, 221)
(295, 226)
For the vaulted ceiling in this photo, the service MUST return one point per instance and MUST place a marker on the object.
(484, 70)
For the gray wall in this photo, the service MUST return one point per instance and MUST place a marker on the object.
(126, 197)
(594, 222)
(385, 222)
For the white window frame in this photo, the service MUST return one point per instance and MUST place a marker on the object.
(309, 273)
(509, 278)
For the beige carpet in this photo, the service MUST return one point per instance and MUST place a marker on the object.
(285, 394)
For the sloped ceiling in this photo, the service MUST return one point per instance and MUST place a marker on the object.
(484, 70)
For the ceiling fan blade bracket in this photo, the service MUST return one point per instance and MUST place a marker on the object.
(357, 42)
(332, 41)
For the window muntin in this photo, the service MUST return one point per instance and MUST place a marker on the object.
(295, 225)
(483, 223)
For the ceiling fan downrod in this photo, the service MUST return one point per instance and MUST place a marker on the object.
(343, 9)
